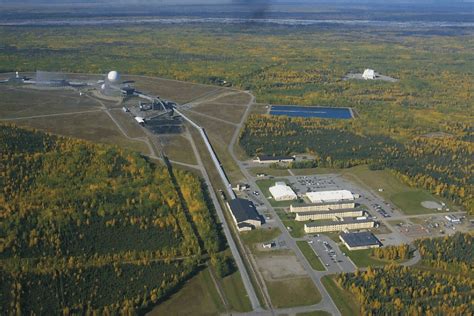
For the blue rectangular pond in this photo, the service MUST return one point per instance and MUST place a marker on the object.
(311, 111)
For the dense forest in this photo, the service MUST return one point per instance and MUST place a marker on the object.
(419, 290)
(453, 252)
(441, 165)
(80, 219)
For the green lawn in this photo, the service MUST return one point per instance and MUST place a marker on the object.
(186, 302)
(401, 195)
(362, 258)
(310, 255)
(269, 171)
(293, 292)
(264, 186)
(260, 235)
(288, 219)
(344, 300)
(235, 293)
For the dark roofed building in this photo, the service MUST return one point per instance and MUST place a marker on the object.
(245, 214)
(360, 240)
(274, 159)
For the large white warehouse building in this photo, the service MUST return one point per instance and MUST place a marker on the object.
(281, 192)
(330, 196)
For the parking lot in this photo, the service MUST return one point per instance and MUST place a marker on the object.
(330, 255)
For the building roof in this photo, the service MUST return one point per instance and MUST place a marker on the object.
(267, 158)
(282, 190)
(346, 220)
(243, 210)
(368, 73)
(360, 239)
(322, 203)
(330, 196)
(341, 211)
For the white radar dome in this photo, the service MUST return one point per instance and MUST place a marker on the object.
(113, 76)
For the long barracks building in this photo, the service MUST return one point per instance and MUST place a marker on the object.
(318, 207)
(312, 216)
(337, 225)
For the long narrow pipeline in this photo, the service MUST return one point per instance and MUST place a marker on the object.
(215, 160)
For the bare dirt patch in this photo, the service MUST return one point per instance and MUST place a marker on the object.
(431, 204)
(283, 265)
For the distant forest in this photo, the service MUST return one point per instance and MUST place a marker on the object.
(80, 219)
(420, 127)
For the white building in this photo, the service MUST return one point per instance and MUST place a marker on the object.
(330, 196)
(453, 219)
(369, 74)
(281, 192)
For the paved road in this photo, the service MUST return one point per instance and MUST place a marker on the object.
(252, 295)
(326, 303)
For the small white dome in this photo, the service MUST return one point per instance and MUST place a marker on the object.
(113, 76)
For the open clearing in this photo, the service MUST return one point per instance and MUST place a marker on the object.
(223, 111)
(186, 302)
(177, 91)
(178, 148)
(279, 265)
(404, 197)
(293, 292)
(96, 127)
(17, 101)
(430, 204)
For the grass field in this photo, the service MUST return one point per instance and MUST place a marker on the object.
(235, 293)
(269, 171)
(25, 102)
(96, 127)
(310, 255)
(186, 302)
(343, 300)
(127, 122)
(293, 292)
(177, 91)
(260, 235)
(178, 148)
(362, 258)
(224, 111)
(296, 228)
(404, 197)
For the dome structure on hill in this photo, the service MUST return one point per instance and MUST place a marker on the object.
(113, 76)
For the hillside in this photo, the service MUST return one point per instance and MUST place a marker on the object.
(89, 227)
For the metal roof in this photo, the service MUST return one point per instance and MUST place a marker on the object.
(360, 239)
(243, 210)
(330, 196)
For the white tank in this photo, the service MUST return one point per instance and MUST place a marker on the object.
(113, 76)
